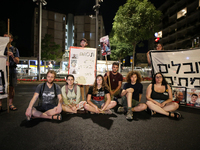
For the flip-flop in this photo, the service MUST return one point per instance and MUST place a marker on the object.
(12, 107)
(57, 118)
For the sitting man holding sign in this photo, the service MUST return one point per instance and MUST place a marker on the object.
(96, 97)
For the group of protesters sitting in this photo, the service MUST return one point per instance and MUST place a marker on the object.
(53, 99)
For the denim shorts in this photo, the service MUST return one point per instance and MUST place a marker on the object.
(159, 101)
(98, 103)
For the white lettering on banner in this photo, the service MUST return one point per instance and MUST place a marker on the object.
(180, 67)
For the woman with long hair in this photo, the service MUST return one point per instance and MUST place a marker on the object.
(71, 96)
(159, 97)
(96, 97)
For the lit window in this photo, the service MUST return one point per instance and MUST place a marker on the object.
(182, 13)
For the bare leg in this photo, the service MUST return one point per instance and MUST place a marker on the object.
(139, 107)
(156, 108)
(90, 108)
(68, 109)
(129, 99)
(110, 105)
(172, 106)
(46, 115)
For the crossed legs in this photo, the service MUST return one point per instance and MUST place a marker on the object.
(172, 106)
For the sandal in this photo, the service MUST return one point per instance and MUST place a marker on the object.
(12, 107)
(176, 116)
(59, 117)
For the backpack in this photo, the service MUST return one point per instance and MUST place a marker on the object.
(42, 89)
(75, 89)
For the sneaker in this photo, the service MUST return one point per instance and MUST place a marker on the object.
(120, 109)
(109, 112)
(129, 115)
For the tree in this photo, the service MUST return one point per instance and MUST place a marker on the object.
(119, 49)
(50, 50)
(136, 21)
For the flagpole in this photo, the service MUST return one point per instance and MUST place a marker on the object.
(8, 48)
(109, 73)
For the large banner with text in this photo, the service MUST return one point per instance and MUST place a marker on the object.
(182, 71)
(82, 64)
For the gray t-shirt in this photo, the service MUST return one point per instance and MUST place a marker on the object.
(48, 95)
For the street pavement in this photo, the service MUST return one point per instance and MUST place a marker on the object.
(95, 132)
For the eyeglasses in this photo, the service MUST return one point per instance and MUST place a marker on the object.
(99, 79)
(70, 79)
(158, 77)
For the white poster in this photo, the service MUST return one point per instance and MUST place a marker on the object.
(82, 64)
(3, 43)
(180, 67)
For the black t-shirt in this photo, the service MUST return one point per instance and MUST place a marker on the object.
(138, 89)
(100, 94)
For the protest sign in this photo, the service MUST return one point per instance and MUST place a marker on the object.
(82, 64)
(105, 45)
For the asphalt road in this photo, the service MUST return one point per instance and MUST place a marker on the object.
(97, 132)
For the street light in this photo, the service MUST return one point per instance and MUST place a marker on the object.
(39, 3)
(96, 9)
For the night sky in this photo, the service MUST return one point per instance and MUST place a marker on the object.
(21, 13)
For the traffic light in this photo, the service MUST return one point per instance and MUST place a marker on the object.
(157, 39)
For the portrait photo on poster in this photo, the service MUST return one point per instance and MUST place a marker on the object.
(193, 97)
(179, 95)
(105, 45)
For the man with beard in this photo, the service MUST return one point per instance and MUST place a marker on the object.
(50, 100)
(115, 80)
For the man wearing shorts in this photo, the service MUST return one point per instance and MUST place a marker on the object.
(50, 100)
(132, 94)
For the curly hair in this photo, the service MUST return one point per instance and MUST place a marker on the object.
(164, 82)
(131, 73)
(104, 85)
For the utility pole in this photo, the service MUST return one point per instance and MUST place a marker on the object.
(39, 3)
(96, 9)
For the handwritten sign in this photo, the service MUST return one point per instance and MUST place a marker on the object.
(82, 64)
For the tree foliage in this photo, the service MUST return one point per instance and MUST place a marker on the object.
(136, 21)
(50, 50)
(119, 49)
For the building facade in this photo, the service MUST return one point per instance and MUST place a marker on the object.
(180, 24)
(85, 28)
(53, 24)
